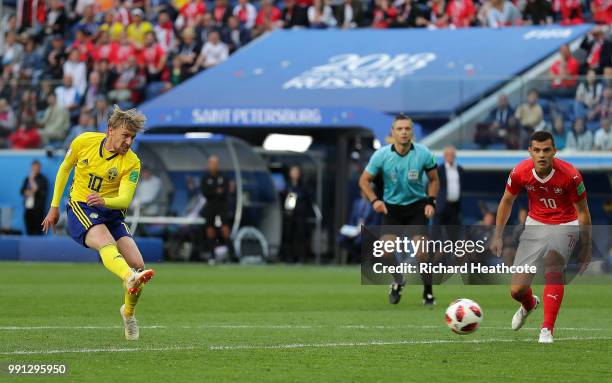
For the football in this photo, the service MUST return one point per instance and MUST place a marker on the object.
(463, 316)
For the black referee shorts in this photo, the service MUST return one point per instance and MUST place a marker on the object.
(408, 215)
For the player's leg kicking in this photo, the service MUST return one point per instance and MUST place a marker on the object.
(554, 244)
(530, 250)
(561, 245)
(127, 247)
(100, 239)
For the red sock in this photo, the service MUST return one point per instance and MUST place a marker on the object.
(527, 300)
(553, 296)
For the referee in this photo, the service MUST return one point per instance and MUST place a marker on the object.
(405, 201)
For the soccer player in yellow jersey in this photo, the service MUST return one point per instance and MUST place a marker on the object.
(106, 173)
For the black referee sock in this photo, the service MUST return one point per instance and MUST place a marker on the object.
(427, 284)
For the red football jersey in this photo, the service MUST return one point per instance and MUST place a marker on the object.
(551, 199)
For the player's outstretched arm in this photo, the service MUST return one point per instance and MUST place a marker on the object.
(58, 190)
(503, 214)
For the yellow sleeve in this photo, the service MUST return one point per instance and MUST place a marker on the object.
(64, 171)
(127, 188)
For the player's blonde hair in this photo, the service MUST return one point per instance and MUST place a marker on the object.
(131, 119)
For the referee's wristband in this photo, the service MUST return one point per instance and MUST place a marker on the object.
(431, 201)
(374, 201)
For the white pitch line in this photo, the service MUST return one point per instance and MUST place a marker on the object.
(270, 327)
(384, 343)
(27, 328)
(287, 346)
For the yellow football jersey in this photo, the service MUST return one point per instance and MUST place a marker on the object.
(98, 170)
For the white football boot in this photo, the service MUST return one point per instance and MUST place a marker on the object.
(131, 325)
(133, 282)
(520, 316)
(546, 336)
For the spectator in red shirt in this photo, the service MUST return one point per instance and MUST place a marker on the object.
(164, 31)
(105, 49)
(25, 137)
(564, 72)
(384, 14)
(153, 58)
(569, 12)
(593, 44)
(460, 13)
(221, 13)
(246, 13)
(602, 11)
(189, 13)
(83, 44)
(268, 18)
(124, 50)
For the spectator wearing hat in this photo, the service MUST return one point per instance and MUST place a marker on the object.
(138, 28)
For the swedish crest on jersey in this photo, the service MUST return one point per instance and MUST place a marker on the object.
(112, 174)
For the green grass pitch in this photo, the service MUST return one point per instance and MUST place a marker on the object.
(286, 324)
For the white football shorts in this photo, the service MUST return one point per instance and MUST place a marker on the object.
(538, 239)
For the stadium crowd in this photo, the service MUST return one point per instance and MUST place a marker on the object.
(574, 104)
(63, 63)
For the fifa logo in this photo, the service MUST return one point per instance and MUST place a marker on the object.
(112, 173)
